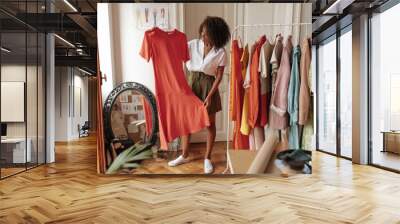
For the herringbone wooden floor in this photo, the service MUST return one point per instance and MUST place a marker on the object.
(70, 191)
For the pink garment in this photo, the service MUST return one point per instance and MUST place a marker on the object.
(252, 143)
(279, 102)
(304, 94)
(259, 137)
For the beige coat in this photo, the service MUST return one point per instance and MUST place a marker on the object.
(304, 95)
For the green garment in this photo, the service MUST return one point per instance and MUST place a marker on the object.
(293, 100)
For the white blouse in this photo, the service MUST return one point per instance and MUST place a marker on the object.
(210, 63)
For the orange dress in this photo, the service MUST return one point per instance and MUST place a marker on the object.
(254, 90)
(240, 141)
(180, 112)
(147, 116)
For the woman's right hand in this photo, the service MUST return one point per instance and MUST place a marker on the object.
(207, 102)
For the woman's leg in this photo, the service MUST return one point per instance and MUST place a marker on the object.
(185, 140)
(210, 137)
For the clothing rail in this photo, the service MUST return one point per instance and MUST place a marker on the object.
(267, 25)
(234, 32)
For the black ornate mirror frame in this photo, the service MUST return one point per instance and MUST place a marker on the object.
(114, 95)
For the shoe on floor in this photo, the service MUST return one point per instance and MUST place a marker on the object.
(178, 161)
(208, 167)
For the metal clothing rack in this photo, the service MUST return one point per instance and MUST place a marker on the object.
(234, 33)
(266, 25)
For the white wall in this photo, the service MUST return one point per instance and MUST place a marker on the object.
(105, 47)
(61, 103)
(67, 115)
(50, 96)
(80, 83)
(12, 73)
(33, 126)
(284, 13)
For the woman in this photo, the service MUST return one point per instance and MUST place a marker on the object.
(206, 67)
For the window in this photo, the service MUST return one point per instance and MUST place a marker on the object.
(346, 93)
(385, 89)
(334, 100)
(327, 96)
(22, 77)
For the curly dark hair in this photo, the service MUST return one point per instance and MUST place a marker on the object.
(217, 30)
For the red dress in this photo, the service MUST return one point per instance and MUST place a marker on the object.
(147, 116)
(240, 141)
(254, 89)
(180, 112)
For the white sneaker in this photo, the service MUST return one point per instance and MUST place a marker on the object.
(178, 161)
(208, 167)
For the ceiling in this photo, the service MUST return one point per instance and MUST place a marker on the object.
(74, 22)
(329, 15)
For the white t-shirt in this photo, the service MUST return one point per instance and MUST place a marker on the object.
(208, 65)
(262, 68)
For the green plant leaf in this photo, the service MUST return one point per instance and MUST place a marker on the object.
(136, 152)
(141, 156)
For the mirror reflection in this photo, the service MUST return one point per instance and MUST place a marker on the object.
(131, 118)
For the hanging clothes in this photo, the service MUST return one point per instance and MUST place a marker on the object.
(259, 137)
(279, 98)
(240, 141)
(276, 59)
(245, 127)
(293, 100)
(304, 97)
(265, 71)
(235, 65)
(254, 89)
(232, 81)
(274, 64)
(168, 51)
(263, 86)
(252, 142)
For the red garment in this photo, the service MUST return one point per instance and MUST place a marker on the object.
(147, 116)
(240, 141)
(254, 89)
(263, 110)
(180, 112)
(235, 91)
